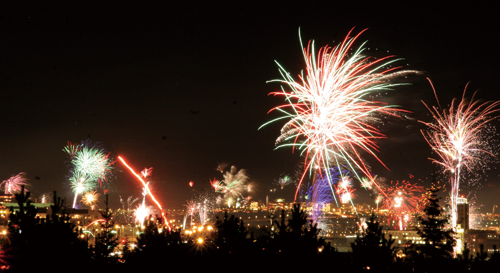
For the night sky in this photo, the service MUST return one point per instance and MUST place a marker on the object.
(182, 87)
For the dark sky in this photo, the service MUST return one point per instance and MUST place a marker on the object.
(182, 87)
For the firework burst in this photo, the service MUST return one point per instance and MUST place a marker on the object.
(90, 199)
(142, 212)
(234, 184)
(191, 207)
(94, 163)
(345, 190)
(457, 137)
(71, 149)
(90, 159)
(330, 116)
(284, 180)
(217, 185)
(46, 198)
(80, 183)
(403, 200)
(15, 183)
(90, 166)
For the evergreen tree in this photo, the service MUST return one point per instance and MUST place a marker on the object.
(157, 244)
(297, 240)
(105, 241)
(53, 241)
(371, 250)
(436, 254)
(439, 240)
(231, 235)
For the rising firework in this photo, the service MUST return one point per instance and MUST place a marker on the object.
(15, 183)
(457, 136)
(331, 118)
(402, 202)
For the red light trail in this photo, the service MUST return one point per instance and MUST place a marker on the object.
(147, 190)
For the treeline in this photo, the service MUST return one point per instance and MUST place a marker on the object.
(291, 244)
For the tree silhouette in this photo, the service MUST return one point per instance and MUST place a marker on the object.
(105, 241)
(371, 250)
(156, 244)
(296, 240)
(436, 254)
(439, 240)
(231, 235)
(51, 241)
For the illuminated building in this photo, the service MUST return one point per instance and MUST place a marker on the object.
(488, 239)
(463, 213)
(404, 238)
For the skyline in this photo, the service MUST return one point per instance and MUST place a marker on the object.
(183, 88)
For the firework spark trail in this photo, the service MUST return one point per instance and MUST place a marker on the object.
(127, 205)
(147, 190)
(206, 204)
(321, 195)
(322, 191)
(15, 183)
(330, 117)
(191, 209)
(402, 202)
(475, 213)
(95, 221)
(367, 183)
(203, 211)
(201, 207)
(455, 136)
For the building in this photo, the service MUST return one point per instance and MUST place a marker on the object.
(488, 239)
(463, 213)
(403, 238)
